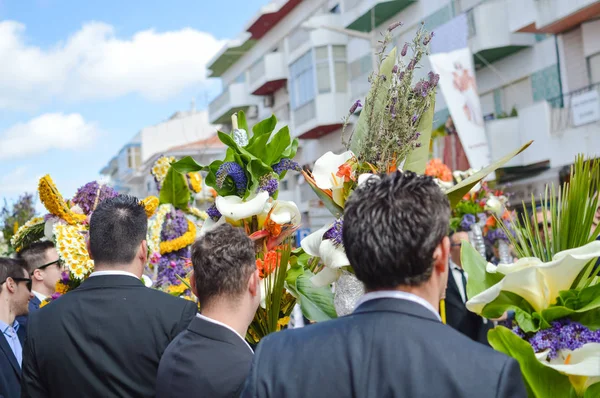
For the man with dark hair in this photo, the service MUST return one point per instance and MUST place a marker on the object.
(15, 293)
(211, 357)
(45, 268)
(457, 314)
(394, 344)
(107, 336)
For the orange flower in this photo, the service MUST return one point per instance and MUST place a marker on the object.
(269, 264)
(345, 171)
(490, 223)
(437, 169)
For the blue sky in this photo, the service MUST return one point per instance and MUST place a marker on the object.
(78, 79)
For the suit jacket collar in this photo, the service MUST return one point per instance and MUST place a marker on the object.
(396, 305)
(216, 332)
(111, 281)
(452, 293)
(4, 347)
(35, 302)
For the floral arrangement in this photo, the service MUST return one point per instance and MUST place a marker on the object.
(554, 289)
(247, 185)
(67, 224)
(11, 218)
(174, 228)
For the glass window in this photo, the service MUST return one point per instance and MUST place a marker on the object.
(341, 76)
(323, 78)
(302, 88)
(321, 53)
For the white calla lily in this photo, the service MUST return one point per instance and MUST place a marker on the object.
(325, 170)
(147, 281)
(235, 208)
(263, 289)
(312, 242)
(364, 177)
(326, 277)
(285, 212)
(537, 282)
(209, 225)
(333, 256)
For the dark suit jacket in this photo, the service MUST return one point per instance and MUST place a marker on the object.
(34, 305)
(206, 360)
(10, 371)
(103, 339)
(460, 318)
(386, 348)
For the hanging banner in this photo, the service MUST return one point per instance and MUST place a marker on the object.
(457, 81)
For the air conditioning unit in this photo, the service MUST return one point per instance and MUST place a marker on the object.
(269, 101)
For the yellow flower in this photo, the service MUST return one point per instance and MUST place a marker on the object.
(179, 243)
(16, 238)
(44, 303)
(54, 202)
(150, 205)
(198, 213)
(61, 288)
(155, 227)
(15, 227)
(161, 167)
(282, 322)
(71, 247)
(195, 181)
(178, 289)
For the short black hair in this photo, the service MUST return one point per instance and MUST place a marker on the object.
(117, 228)
(392, 225)
(11, 268)
(223, 261)
(34, 255)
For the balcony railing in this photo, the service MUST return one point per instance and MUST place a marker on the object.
(562, 110)
(304, 113)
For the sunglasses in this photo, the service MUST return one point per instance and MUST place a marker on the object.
(541, 225)
(28, 280)
(59, 262)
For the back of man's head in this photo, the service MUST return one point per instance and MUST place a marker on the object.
(392, 227)
(11, 268)
(34, 255)
(117, 228)
(224, 260)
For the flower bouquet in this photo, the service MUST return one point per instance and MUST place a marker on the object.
(247, 184)
(174, 228)
(554, 289)
(67, 224)
(393, 132)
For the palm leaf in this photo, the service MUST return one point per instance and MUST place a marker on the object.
(417, 160)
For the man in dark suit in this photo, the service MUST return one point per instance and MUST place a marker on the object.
(45, 268)
(211, 357)
(105, 338)
(15, 293)
(394, 344)
(457, 315)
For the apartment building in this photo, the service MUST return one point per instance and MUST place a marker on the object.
(537, 68)
(186, 133)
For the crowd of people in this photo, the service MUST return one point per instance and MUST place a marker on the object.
(114, 337)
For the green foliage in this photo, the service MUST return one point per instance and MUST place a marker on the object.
(16, 215)
(475, 266)
(175, 190)
(417, 159)
(264, 149)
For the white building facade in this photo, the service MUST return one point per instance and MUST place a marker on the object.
(307, 61)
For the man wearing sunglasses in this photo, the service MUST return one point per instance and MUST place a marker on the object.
(15, 293)
(45, 268)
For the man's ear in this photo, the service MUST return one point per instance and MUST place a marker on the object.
(143, 255)
(87, 246)
(37, 275)
(193, 283)
(441, 255)
(254, 283)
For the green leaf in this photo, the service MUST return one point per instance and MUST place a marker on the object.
(456, 193)
(333, 207)
(541, 381)
(257, 169)
(593, 391)
(241, 119)
(474, 264)
(296, 269)
(258, 146)
(316, 302)
(584, 301)
(290, 151)
(264, 127)
(504, 302)
(417, 160)
(277, 146)
(175, 190)
(187, 165)
(362, 125)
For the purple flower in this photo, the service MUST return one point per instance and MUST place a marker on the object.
(355, 106)
(172, 265)
(286, 164)
(404, 49)
(417, 135)
(467, 222)
(64, 276)
(55, 296)
(434, 78)
(92, 193)
(335, 232)
(394, 26)
(174, 226)
(401, 75)
(414, 119)
(213, 213)
(395, 69)
(237, 174)
(270, 185)
(411, 64)
(428, 39)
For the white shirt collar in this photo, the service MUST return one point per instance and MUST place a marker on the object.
(396, 294)
(115, 272)
(453, 265)
(225, 326)
(39, 295)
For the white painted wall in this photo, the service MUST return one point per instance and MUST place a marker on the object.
(591, 37)
(574, 62)
(550, 11)
(521, 13)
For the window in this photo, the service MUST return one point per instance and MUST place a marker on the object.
(594, 66)
(284, 185)
(322, 65)
(134, 157)
(241, 78)
(340, 68)
(335, 9)
(302, 87)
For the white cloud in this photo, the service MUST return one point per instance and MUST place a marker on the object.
(17, 181)
(93, 63)
(46, 132)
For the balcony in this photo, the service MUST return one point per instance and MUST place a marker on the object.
(320, 116)
(366, 15)
(268, 75)
(233, 99)
(551, 16)
(490, 37)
